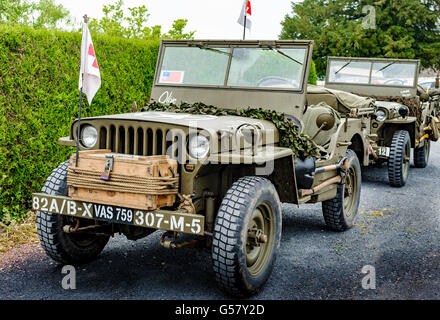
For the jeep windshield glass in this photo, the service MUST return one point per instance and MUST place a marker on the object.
(248, 67)
(349, 72)
(393, 74)
(255, 67)
(373, 73)
(194, 66)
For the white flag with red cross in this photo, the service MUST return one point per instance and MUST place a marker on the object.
(89, 76)
(245, 15)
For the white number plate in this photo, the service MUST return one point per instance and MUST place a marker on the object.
(383, 152)
(157, 219)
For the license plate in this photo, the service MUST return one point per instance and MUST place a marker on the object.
(383, 152)
(156, 219)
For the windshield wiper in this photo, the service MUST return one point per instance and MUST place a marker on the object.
(389, 64)
(202, 47)
(343, 66)
(286, 55)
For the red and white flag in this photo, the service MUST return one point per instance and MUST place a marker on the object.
(89, 76)
(246, 11)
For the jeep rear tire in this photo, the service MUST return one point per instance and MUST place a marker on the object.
(398, 163)
(60, 246)
(421, 155)
(341, 211)
(246, 237)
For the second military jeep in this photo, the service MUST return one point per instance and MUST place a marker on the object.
(406, 115)
(232, 172)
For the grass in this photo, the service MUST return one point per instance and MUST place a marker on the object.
(14, 233)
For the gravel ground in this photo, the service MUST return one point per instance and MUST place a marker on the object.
(397, 232)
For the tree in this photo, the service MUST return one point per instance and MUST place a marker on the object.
(135, 26)
(15, 11)
(403, 29)
(51, 15)
(42, 14)
(177, 31)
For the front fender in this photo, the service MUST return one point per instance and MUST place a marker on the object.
(248, 156)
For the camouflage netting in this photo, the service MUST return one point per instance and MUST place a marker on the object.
(412, 103)
(290, 136)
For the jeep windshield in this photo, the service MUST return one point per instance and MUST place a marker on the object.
(381, 72)
(232, 66)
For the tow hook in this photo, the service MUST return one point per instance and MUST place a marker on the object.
(69, 229)
(171, 244)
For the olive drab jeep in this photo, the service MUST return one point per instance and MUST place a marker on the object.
(406, 116)
(217, 177)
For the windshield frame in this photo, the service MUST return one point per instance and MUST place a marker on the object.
(232, 44)
(372, 61)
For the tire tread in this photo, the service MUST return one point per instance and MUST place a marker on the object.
(397, 150)
(226, 237)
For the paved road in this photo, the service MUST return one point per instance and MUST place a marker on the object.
(397, 233)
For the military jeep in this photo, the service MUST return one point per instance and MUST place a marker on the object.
(233, 171)
(406, 115)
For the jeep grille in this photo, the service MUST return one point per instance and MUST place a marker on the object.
(136, 138)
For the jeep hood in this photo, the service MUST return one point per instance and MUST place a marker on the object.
(203, 122)
(388, 104)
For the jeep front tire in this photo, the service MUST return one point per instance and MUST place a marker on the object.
(60, 246)
(246, 237)
(398, 163)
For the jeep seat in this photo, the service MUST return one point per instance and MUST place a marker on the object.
(340, 101)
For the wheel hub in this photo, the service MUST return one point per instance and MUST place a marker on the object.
(259, 239)
(256, 237)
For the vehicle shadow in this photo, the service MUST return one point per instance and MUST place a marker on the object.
(142, 269)
(375, 174)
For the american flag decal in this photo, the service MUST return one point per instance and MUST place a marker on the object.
(171, 77)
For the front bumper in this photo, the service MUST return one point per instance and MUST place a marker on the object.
(66, 141)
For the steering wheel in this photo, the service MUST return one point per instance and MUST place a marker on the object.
(394, 81)
(275, 79)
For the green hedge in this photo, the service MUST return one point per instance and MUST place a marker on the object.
(39, 100)
(39, 96)
(313, 79)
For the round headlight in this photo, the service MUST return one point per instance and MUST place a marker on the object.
(403, 111)
(381, 115)
(198, 146)
(89, 136)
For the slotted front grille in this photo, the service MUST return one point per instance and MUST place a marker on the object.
(136, 138)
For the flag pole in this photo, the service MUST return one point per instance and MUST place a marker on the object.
(244, 27)
(79, 123)
(78, 132)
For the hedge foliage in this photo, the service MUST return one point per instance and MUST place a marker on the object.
(39, 97)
